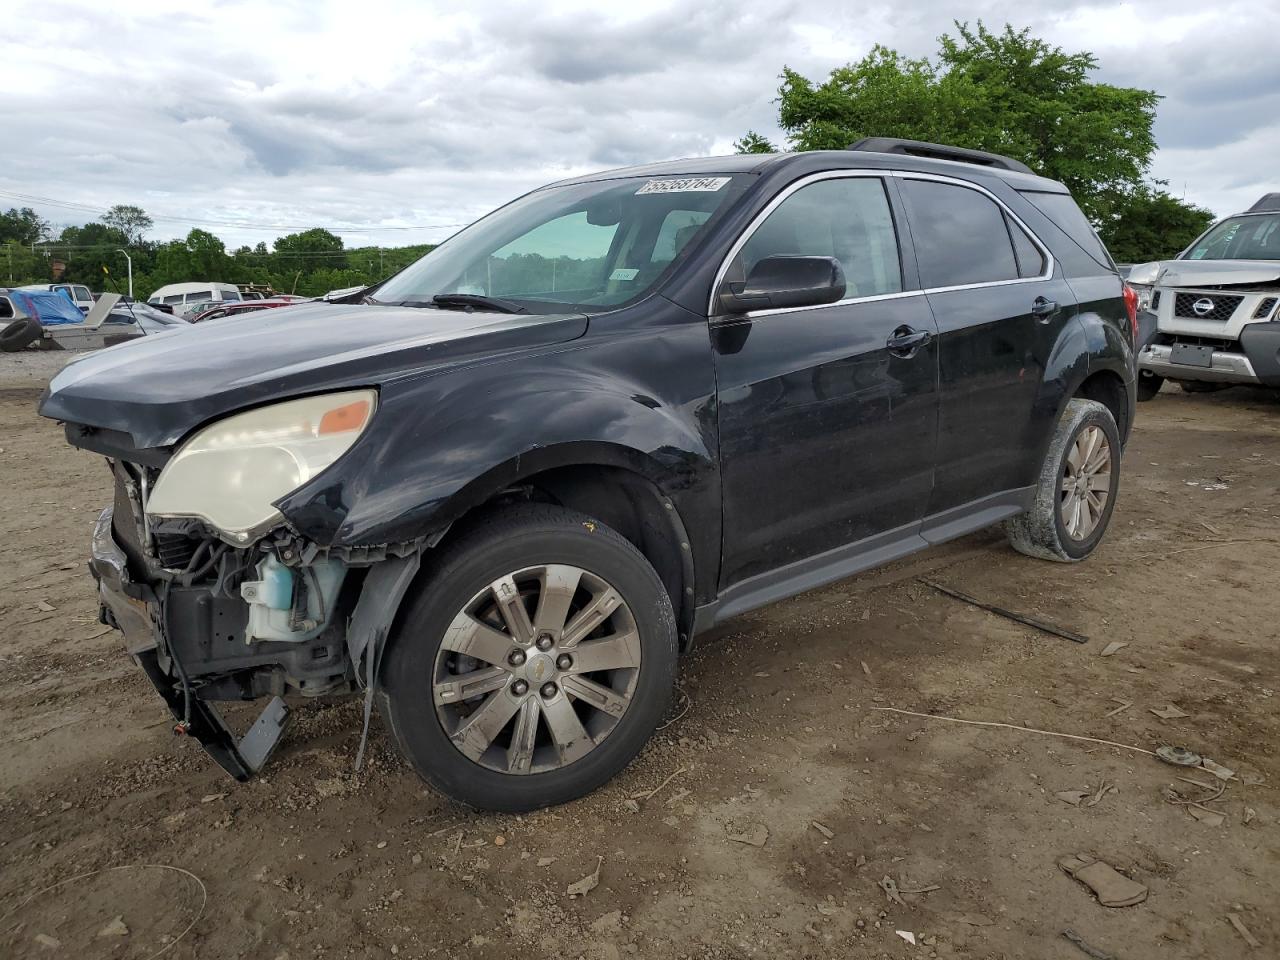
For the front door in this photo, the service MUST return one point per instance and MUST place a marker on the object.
(827, 431)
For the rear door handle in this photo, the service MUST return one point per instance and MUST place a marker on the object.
(1043, 308)
(905, 341)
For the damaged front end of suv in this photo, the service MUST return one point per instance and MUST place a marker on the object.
(217, 599)
(234, 557)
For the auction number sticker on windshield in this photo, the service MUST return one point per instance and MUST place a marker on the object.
(684, 185)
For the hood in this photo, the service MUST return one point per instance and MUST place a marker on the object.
(158, 388)
(1218, 273)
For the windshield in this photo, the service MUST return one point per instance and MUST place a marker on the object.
(1240, 238)
(587, 246)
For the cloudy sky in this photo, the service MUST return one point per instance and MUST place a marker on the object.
(391, 121)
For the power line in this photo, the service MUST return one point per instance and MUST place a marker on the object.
(232, 224)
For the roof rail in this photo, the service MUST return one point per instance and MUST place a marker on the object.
(939, 151)
(1268, 203)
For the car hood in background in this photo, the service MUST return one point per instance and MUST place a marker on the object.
(1218, 273)
(157, 389)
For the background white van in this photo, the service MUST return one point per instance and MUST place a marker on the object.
(182, 296)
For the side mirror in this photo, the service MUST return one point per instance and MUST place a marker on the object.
(777, 282)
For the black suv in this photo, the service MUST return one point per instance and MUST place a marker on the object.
(498, 493)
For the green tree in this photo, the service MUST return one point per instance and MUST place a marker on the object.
(754, 142)
(1008, 92)
(310, 250)
(132, 221)
(22, 226)
(19, 265)
(1152, 225)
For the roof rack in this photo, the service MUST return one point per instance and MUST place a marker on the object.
(939, 151)
(1268, 203)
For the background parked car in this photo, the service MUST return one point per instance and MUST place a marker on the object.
(1213, 313)
(182, 296)
(215, 310)
(148, 319)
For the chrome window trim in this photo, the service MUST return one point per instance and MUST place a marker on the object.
(758, 220)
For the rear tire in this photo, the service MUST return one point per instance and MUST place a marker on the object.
(1149, 385)
(1076, 492)
(506, 684)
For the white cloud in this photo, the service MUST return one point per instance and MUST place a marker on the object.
(389, 113)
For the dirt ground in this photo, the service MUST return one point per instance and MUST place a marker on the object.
(778, 727)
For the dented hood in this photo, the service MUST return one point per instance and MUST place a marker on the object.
(157, 389)
(1218, 273)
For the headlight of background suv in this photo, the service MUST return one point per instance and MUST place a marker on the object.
(229, 473)
(1144, 295)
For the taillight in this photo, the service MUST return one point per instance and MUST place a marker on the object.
(1131, 307)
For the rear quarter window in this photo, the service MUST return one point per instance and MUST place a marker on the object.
(1068, 217)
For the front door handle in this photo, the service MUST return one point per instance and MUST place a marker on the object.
(905, 341)
(1043, 308)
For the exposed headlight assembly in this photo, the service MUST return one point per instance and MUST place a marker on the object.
(230, 473)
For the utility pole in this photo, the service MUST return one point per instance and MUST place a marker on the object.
(130, 260)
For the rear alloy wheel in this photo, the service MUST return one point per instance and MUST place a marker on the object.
(1076, 492)
(536, 660)
(1086, 482)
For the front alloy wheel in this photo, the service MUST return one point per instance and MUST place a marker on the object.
(535, 659)
(537, 669)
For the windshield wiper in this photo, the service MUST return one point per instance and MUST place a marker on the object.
(470, 301)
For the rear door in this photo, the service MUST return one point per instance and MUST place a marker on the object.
(826, 432)
(1000, 309)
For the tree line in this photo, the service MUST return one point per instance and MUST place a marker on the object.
(1013, 94)
(309, 263)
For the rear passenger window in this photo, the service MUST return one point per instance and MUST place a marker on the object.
(846, 218)
(959, 234)
(198, 297)
(1030, 259)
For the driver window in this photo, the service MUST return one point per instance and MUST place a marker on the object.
(847, 218)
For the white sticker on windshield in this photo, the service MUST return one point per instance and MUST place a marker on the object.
(624, 273)
(684, 185)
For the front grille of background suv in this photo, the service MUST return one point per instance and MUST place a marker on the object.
(1223, 306)
(1264, 308)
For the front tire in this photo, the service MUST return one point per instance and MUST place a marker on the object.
(1076, 492)
(1202, 386)
(535, 661)
(1149, 385)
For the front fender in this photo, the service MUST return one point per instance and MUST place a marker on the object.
(439, 445)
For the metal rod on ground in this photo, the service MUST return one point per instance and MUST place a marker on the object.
(1008, 614)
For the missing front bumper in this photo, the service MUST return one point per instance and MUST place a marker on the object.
(134, 610)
